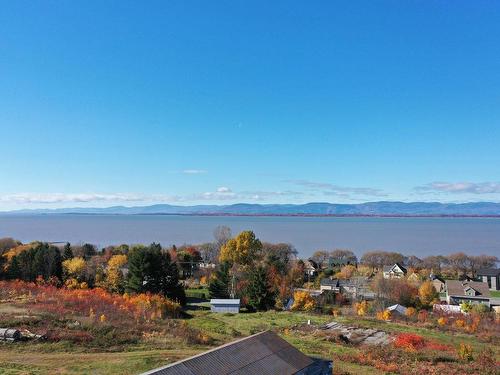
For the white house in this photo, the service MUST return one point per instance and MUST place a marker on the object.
(394, 271)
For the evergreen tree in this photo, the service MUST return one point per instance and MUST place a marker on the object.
(219, 284)
(14, 272)
(88, 251)
(151, 270)
(258, 291)
(138, 268)
(68, 252)
(170, 280)
(2, 265)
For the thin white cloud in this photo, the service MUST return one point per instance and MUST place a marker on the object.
(460, 187)
(338, 190)
(48, 198)
(194, 171)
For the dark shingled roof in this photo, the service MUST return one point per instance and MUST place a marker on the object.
(489, 272)
(264, 353)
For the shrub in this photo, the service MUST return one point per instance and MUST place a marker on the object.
(384, 315)
(409, 341)
(442, 321)
(302, 301)
(466, 306)
(464, 352)
(361, 308)
(410, 312)
(480, 308)
(423, 315)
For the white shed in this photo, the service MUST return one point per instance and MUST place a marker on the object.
(225, 305)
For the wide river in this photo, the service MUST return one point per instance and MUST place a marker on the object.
(418, 236)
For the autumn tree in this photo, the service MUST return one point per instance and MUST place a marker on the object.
(302, 300)
(7, 243)
(344, 255)
(115, 282)
(434, 263)
(427, 294)
(74, 268)
(459, 263)
(319, 257)
(394, 290)
(346, 272)
(222, 234)
(242, 250)
(477, 262)
(279, 256)
(378, 259)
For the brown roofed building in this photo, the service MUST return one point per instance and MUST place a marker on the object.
(264, 353)
(472, 291)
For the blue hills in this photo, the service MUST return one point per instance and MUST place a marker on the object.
(384, 208)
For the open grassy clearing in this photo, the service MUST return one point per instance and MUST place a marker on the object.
(157, 350)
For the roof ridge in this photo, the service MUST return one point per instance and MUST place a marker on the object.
(206, 352)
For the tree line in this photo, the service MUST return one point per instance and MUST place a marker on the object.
(452, 265)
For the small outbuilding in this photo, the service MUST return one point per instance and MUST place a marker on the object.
(397, 309)
(225, 305)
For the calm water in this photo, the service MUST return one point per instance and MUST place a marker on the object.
(419, 236)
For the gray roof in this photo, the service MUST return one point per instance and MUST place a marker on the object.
(264, 353)
(330, 282)
(489, 272)
(459, 288)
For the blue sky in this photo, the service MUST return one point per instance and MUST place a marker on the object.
(105, 102)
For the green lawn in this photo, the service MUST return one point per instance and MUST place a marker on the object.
(495, 293)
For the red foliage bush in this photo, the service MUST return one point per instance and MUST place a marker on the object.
(409, 341)
(91, 303)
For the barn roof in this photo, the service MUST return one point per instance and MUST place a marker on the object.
(264, 353)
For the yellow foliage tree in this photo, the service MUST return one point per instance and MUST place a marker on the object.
(384, 315)
(74, 268)
(117, 261)
(427, 293)
(410, 312)
(114, 276)
(361, 308)
(243, 249)
(303, 301)
(346, 272)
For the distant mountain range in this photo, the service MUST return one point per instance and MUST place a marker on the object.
(308, 209)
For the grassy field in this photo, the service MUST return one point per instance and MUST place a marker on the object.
(61, 358)
(91, 332)
(495, 293)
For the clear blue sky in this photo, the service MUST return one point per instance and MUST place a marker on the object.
(119, 102)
